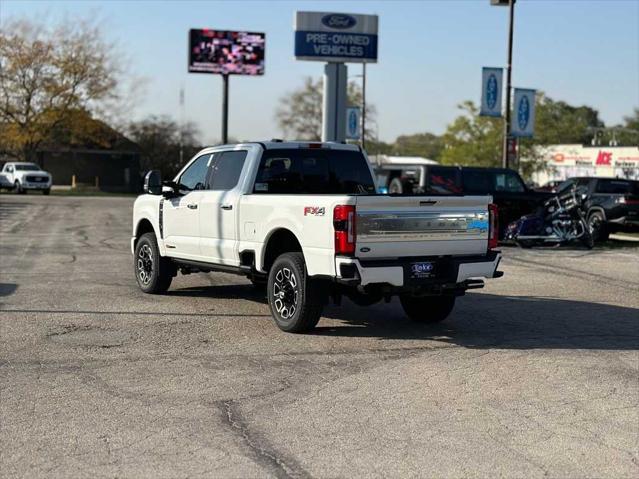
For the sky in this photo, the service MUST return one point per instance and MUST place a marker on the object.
(584, 52)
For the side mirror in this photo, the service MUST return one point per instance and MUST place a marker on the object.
(153, 183)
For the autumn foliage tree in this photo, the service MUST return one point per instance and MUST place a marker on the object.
(47, 74)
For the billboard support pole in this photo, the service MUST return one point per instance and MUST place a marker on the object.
(225, 108)
(334, 107)
(511, 24)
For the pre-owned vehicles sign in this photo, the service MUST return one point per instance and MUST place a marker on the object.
(336, 37)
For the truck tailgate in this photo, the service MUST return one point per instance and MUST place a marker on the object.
(408, 226)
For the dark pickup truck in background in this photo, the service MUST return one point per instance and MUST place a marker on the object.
(508, 190)
(610, 205)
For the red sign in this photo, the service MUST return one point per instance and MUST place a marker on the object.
(604, 158)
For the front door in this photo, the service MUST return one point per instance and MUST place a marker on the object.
(180, 214)
(219, 209)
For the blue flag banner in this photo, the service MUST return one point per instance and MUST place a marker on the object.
(352, 123)
(522, 123)
(491, 88)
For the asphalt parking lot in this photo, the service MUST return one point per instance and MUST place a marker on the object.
(537, 375)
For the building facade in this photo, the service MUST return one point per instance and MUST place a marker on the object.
(568, 161)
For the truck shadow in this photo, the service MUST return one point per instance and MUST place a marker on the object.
(222, 291)
(492, 321)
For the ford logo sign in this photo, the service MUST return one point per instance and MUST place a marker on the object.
(491, 92)
(339, 21)
(523, 113)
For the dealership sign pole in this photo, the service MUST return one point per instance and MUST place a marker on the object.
(226, 53)
(335, 38)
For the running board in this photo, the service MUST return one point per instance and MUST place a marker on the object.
(203, 267)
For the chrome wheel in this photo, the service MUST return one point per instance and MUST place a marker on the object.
(145, 264)
(285, 293)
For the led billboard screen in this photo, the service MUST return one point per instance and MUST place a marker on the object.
(226, 52)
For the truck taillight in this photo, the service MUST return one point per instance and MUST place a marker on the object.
(344, 225)
(493, 226)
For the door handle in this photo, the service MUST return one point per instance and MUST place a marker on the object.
(192, 206)
(226, 207)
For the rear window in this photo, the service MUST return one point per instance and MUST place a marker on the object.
(313, 171)
(443, 181)
(489, 181)
(617, 187)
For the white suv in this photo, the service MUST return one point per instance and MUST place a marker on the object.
(27, 176)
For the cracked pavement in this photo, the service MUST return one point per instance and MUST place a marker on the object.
(537, 375)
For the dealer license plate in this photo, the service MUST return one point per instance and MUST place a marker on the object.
(424, 269)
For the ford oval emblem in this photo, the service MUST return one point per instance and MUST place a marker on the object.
(364, 250)
(523, 113)
(339, 21)
(491, 92)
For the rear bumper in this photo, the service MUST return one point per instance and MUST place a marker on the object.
(396, 272)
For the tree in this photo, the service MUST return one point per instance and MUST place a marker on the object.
(627, 134)
(299, 114)
(558, 122)
(159, 141)
(427, 145)
(476, 140)
(46, 74)
(472, 139)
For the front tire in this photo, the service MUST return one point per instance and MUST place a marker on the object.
(18, 188)
(46, 192)
(152, 272)
(296, 301)
(427, 309)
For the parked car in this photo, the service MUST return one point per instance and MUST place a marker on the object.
(5, 183)
(27, 176)
(610, 204)
(508, 190)
(304, 219)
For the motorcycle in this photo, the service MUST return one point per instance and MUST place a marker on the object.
(560, 220)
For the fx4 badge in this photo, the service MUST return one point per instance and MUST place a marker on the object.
(314, 210)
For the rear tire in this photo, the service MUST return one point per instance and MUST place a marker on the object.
(153, 272)
(597, 226)
(427, 309)
(296, 301)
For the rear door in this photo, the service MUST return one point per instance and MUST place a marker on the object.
(392, 227)
(219, 209)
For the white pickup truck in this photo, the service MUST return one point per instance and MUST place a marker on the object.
(304, 219)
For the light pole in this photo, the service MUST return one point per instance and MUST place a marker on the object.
(509, 67)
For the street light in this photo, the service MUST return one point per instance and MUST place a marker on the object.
(511, 23)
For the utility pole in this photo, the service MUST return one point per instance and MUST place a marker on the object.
(511, 24)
